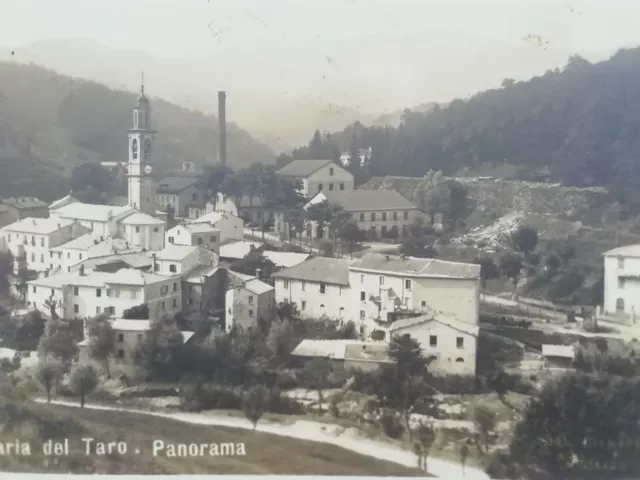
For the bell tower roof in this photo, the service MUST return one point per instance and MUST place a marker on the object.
(142, 100)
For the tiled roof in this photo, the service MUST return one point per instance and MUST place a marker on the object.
(139, 218)
(175, 184)
(24, 202)
(175, 252)
(286, 259)
(368, 352)
(319, 269)
(239, 249)
(626, 251)
(303, 168)
(342, 349)
(439, 317)
(126, 276)
(366, 200)
(90, 212)
(413, 266)
(566, 351)
(212, 218)
(37, 226)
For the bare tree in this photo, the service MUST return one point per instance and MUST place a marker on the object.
(48, 373)
(254, 404)
(102, 341)
(83, 380)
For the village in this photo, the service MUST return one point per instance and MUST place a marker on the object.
(326, 285)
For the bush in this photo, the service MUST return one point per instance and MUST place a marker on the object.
(278, 403)
(454, 384)
(391, 424)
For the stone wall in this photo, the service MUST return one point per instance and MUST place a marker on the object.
(507, 195)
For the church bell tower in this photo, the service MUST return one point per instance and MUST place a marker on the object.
(142, 190)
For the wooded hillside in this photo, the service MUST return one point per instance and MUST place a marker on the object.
(49, 123)
(580, 124)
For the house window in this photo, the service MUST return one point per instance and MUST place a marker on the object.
(342, 186)
(98, 310)
(164, 306)
(373, 217)
(304, 286)
(42, 241)
(33, 257)
(381, 280)
(79, 256)
(361, 314)
(69, 255)
(172, 268)
(384, 230)
(200, 241)
(175, 286)
(175, 302)
(34, 289)
(139, 337)
(319, 187)
(156, 229)
(433, 340)
(250, 299)
(407, 284)
(303, 305)
(76, 291)
(116, 293)
(108, 292)
(251, 313)
(460, 342)
(384, 216)
(121, 337)
(98, 292)
(423, 304)
(362, 296)
(362, 217)
(395, 215)
(621, 262)
(322, 288)
(322, 309)
(331, 187)
(213, 238)
(341, 312)
(331, 171)
(164, 290)
(620, 305)
(110, 310)
(134, 294)
(406, 215)
(459, 360)
(285, 283)
(137, 229)
(620, 282)
(171, 240)
(120, 353)
(76, 308)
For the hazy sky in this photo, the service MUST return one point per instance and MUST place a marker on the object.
(182, 27)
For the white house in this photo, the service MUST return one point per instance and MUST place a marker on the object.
(198, 234)
(451, 343)
(622, 281)
(387, 287)
(248, 302)
(317, 176)
(181, 259)
(319, 287)
(230, 226)
(32, 238)
(83, 295)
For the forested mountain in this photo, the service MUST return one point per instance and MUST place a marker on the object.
(581, 123)
(49, 123)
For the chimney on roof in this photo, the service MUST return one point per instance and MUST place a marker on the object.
(258, 270)
(222, 128)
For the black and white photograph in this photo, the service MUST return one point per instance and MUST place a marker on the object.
(365, 238)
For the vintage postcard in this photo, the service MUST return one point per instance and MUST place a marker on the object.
(367, 238)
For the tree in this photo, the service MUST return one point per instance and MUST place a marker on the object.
(102, 342)
(139, 312)
(253, 262)
(485, 421)
(83, 380)
(6, 271)
(350, 235)
(525, 239)
(280, 340)
(59, 340)
(91, 176)
(488, 270)
(52, 305)
(320, 213)
(425, 438)
(316, 374)
(254, 403)
(326, 249)
(579, 421)
(161, 350)
(511, 267)
(48, 372)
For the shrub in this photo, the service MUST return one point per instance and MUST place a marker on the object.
(391, 424)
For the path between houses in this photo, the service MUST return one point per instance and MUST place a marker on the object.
(349, 439)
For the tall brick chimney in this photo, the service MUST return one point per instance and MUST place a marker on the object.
(222, 128)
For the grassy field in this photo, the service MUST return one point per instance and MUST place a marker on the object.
(265, 453)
